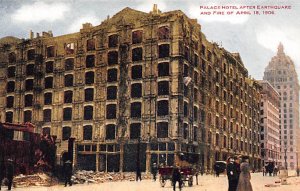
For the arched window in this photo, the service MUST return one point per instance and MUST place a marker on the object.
(87, 132)
(66, 133)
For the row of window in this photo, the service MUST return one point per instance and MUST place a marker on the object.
(111, 111)
(110, 129)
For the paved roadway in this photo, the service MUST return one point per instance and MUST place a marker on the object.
(206, 183)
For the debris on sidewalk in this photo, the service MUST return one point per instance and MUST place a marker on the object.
(83, 176)
(39, 179)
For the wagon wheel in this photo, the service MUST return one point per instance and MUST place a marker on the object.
(190, 181)
(162, 181)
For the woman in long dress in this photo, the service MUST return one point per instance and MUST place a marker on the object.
(245, 176)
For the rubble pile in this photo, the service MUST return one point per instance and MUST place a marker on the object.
(81, 177)
(40, 179)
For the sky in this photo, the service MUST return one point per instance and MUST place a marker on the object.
(255, 37)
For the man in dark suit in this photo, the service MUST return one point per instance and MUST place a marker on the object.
(10, 173)
(176, 177)
(68, 172)
(232, 174)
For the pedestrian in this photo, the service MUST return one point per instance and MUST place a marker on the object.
(154, 171)
(298, 171)
(10, 173)
(68, 172)
(275, 170)
(138, 173)
(263, 171)
(245, 176)
(2, 172)
(196, 171)
(201, 170)
(232, 174)
(176, 177)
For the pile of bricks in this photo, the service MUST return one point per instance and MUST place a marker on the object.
(40, 179)
(81, 177)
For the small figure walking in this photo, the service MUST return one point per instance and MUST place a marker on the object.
(10, 173)
(298, 171)
(138, 173)
(68, 172)
(176, 177)
(2, 172)
(154, 171)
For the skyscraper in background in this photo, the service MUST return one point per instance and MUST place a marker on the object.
(282, 76)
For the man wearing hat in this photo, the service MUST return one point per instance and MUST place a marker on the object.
(154, 171)
(68, 172)
(232, 174)
(10, 173)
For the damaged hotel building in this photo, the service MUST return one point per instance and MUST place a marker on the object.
(147, 80)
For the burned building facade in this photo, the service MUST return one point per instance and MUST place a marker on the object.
(147, 83)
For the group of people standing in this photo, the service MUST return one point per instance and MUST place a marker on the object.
(8, 172)
(238, 174)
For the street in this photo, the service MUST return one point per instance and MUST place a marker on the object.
(206, 183)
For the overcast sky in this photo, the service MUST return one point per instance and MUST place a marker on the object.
(255, 37)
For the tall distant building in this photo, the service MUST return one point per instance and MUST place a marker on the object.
(282, 75)
(138, 80)
(269, 112)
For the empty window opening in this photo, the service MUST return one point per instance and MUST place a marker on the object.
(163, 88)
(87, 132)
(29, 85)
(195, 113)
(70, 48)
(27, 116)
(46, 131)
(196, 60)
(163, 107)
(112, 57)
(163, 69)
(137, 54)
(9, 116)
(90, 44)
(68, 97)
(163, 33)
(90, 61)
(110, 132)
(50, 51)
(28, 100)
(66, 133)
(49, 67)
(136, 72)
(185, 109)
(135, 130)
(136, 90)
(185, 70)
(164, 50)
(113, 41)
(69, 64)
(12, 57)
(89, 77)
(187, 53)
(48, 82)
(89, 94)
(29, 69)
(30, 54)
(137, 37)
(185, 130)
(111, 92)
(11, 72)
(88, 112)
(67, 114)
(136, 109)
(112, 75)
(10, 86)
(162, 129)
(47, 115)
(10, 101)
(195, 133)
(111, 110)
(48, 98)
(69, 80)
